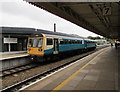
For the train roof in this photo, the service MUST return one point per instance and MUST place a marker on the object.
(57, 34)
(32, 31)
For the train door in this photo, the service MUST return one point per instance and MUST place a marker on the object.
(56, 46)
(85, 44)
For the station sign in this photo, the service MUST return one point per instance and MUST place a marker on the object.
(107, 11)
(10, 40)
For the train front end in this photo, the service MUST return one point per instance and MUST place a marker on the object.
(35, 46)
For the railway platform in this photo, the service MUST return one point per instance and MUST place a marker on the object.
(15, 54)
(10, 60)
(98, 71)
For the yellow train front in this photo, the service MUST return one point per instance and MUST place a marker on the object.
(40, 47)
(36, 46)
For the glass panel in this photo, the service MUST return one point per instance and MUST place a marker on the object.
(30, 43)
(49, 41)
(40, 43)
(35, 42)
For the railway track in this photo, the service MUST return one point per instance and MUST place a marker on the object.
(15, 70)
(29, 80)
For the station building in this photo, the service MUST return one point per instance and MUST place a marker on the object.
(14, 38)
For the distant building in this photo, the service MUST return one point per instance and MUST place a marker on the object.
(101, 41)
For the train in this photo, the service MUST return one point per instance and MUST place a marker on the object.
(46, 45)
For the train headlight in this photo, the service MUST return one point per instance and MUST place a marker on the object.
(32, 58)
(39, 49)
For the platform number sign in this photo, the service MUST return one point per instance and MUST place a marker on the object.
(107, 11)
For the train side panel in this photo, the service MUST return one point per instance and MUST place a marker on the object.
(48, 48)
(70, 44)
(90, 44)
(70, 47)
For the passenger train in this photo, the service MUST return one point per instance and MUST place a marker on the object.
(47, 44)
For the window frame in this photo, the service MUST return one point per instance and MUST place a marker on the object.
(51, 41)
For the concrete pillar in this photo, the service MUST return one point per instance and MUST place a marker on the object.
(1, 43)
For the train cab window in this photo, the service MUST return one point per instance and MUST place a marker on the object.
(35, 42)
(49, 41)
(40, 43)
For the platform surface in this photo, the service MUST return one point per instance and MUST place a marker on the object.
(98, 71)
(9, 55)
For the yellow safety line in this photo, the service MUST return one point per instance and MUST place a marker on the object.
(69, 78)
(13, 55)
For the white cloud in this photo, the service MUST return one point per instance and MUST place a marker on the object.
(22, 14)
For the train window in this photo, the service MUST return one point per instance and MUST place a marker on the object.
(76, 42)
(49, 41)
(82, 42)
(61, 42)
(40, 43)
(72, 41)
(88, 42)
(69, 42)
(30, 43)
(35, 42)
(65, 41)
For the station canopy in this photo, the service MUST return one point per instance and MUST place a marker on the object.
(99, 17)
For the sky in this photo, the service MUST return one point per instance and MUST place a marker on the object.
(22, 14)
